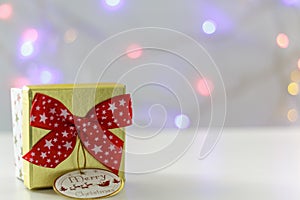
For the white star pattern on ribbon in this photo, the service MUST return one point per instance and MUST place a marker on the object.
(111, 147)
(112, 107)
(64, 113)
(43, 118)
(49, 144)
(43, 155)
(97, 149)
(122, 102)
(52, 111)
(68, 145)
(65, 134)
(86, 143)
(32, 118)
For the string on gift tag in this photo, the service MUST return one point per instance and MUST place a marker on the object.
(78, 159)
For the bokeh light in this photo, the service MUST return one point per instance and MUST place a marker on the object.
(30, 35)
(70, 35)
(292, 115)
(112, 3)
(298, 63)
(27, 49)
(205, 87)
(46, 77)
(282, 40)
(182, 121)
(295, 75)
(209, 27)
(290, 2)
(6, 11)
(40, 74)
(19, 82)
(293, 88)
(134, 51)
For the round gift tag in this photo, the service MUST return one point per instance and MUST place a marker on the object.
(87, 184)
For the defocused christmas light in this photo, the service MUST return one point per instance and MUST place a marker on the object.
(290, 2)
(19, 82)
(70, 35)
(293, 88)
(6, 11)
(182, 121)
(299, 63)
(282, 40)
(134, 51)
(46, 77)
(112, 3)
(292, 115)
(27, 49)
(209, 27)
(30, 35)
(295, 75)
(205, 87)
(49, 75)
(43, 75)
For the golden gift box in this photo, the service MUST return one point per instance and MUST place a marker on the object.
(79, 99)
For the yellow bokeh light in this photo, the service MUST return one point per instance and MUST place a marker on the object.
(292, 115)
(295, 75)
(282, 40)
(293, 88)
(70, 35)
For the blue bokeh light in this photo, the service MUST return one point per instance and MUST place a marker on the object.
(112, 3)
(182, 121)
(291, 2)
(209, 27)
(26, 49)
(46, 77)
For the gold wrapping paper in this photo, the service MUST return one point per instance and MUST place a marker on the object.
(79, 99)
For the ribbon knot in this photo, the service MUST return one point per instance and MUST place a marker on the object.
(93, 131)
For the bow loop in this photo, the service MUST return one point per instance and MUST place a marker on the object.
(93, 131)
(49, 113)
(115, 112)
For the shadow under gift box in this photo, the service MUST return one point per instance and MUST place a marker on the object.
(79, 99)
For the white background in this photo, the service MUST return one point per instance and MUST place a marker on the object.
(254, 69)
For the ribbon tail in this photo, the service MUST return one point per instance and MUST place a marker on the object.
(52, 149)
(105, 147)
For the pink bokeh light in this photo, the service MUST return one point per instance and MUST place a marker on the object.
(30, 35)
(6, 11)
(19, 82)
(205, 87)
(134, 51)
(282, 40)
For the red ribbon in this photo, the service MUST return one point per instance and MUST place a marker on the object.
(92, 130)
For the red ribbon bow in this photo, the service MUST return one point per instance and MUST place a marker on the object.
(93, 131)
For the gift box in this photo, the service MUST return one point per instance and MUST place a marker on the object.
(60, 128)
(16, 108)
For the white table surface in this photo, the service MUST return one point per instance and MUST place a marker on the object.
(252, 164)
